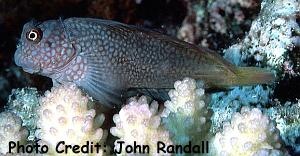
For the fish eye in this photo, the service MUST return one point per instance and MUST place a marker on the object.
(34, 35)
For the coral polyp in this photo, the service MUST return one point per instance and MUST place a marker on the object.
(139, 123)
(249, 133)
(11, 129)
(64, 116)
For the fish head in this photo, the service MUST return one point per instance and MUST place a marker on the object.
(44, 48)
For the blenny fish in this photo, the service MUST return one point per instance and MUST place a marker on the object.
(105, 58)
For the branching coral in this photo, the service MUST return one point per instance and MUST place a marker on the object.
(217, 23)
(11, 130)
(189, 30)
(24, 102)
(137, 122)
(186, 107)
(225, 104)
(64, 116)
(270, 36)
(249, 133)
(220, 11)
(288, 122)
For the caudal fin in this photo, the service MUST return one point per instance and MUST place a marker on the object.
(252, 76)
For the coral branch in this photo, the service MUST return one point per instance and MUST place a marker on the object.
(64, 116)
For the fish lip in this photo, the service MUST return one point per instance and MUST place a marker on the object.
(31, 70)
(17, 57)
(19, 62)
(27, 68)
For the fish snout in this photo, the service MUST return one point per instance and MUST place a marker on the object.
(27, 64)
(17, 58)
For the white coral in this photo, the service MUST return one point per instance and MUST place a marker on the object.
(138, 122)
(186, 98)
(64, 116)
(287, 121)
(249, 133)
(187, 111)
(270, 35)
(11, 130)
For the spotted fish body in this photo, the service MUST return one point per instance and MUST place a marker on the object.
(105, 58)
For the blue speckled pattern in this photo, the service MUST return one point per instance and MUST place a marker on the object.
(106, 58)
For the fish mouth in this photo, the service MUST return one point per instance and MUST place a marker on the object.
(17, 57)
(28, 65)
(31, 70)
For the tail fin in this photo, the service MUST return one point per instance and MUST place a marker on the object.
(252, 76)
